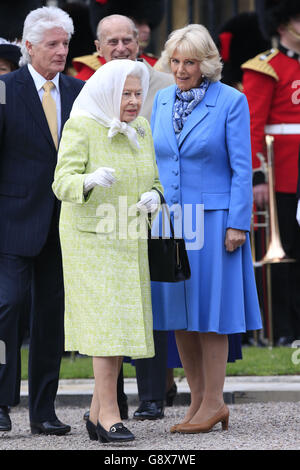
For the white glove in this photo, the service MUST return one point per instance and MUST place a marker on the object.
(298, 212)
(149, 201)
(101, 177)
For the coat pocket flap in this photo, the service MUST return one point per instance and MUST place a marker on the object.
(96, 224)
(214, 201)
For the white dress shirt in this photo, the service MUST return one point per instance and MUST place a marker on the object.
(39, 82)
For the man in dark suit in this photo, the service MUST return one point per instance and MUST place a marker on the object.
(37, 103)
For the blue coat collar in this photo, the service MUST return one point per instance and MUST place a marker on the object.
(198, 114)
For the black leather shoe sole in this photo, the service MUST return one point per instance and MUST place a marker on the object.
(49, 430)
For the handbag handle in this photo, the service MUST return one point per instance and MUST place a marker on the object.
(165, 210)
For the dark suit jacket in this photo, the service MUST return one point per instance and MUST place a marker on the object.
(27, 162)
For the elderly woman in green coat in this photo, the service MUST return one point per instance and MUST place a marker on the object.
(106, 177)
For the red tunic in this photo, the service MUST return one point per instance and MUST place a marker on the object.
(86, 70)
(271, 83)
(149, 58)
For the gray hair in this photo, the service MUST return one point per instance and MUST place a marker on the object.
(116, 17)
(195, 42)
(40, 20)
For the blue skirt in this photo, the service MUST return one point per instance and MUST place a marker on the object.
(221, 294)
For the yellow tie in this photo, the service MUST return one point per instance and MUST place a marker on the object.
(49, 107)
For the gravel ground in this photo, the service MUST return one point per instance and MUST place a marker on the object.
(255, 426)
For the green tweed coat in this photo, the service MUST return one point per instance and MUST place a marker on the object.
(108, 309)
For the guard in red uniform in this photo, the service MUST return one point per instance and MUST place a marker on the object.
(271, 82)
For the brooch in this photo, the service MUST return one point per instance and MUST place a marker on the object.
(141, 131)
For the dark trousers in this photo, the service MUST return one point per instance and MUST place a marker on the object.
(286, 276)
(34, 283)
(151, 374)
(122, 397)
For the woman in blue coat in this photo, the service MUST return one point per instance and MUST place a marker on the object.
(202, 141)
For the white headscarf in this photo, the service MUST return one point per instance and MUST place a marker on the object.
(100, 98)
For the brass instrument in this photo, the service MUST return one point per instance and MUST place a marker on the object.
(275, 252)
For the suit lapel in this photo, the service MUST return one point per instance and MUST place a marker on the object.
(201, 111)
(197, 115)
(28, 93)
(167, 122)
(66, 98)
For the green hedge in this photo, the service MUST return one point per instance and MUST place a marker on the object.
(256, 361)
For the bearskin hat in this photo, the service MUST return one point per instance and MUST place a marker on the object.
(273, 13)
(148, 11)
(12, 17)
(82, 41)
(240, 39)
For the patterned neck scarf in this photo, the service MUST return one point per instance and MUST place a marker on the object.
(185, 102)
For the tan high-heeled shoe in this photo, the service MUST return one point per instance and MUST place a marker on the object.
(221, 416)
(174, 427)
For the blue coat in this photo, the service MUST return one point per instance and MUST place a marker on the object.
(218, 131)
(209, 164)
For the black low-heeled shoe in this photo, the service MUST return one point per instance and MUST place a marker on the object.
(171, 394)
(149, 410)
(91, 429)
(55, 428)
(117, 433)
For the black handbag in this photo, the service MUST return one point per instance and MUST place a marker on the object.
(168, 259)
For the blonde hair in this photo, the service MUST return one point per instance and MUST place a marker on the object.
(194, 42)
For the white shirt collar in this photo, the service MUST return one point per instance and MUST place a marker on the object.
(39, 80)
